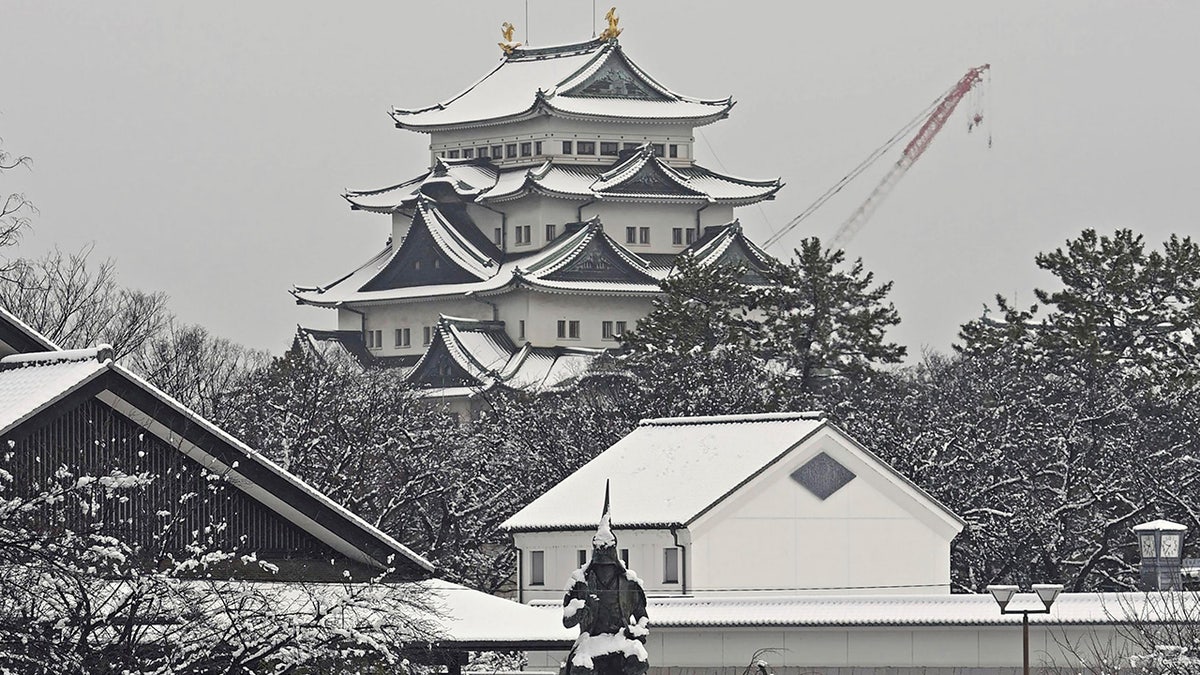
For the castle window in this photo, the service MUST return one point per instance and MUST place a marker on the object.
(657, 148)
(581, 557)
(483, 152)
(674, 150)
(537, 148)
(606, 330)
(527, 149)
(585, 148)
(631, 235)
(689, 237)
(452, 154)
(551, 231)
(427, 335)
(625, 556)
(468, 153)
(521, 329)
(620, 329)
(498, 236)
(643, 235)
(568, 147)
(562, 329)
(510, 150)
(374, 339)
(607, 148)
(497, 151)
(403, 337)
(537, 568)
(677, 236)
(524, 234)
(568, 330)
(670, 565)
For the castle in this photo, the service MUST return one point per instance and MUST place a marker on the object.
(562, 186)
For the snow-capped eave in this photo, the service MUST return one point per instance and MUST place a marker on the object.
(14, 330)
(545, 107)
(591, 526)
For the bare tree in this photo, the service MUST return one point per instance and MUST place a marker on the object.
(1152, 633)
(14, 210)
(79, 304)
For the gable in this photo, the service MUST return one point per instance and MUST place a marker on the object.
(419, 262)
(89, 437)
(438, 368)
(736, 254)
(599, 261)
(616, 79)
(18, 338)
(651, 179)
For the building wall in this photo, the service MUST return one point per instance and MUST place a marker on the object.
(541, 313)
(416, 316)
(798, 543)
(884, 650)
(561, 550)
(551, 132)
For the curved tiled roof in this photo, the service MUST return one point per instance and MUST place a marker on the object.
(588, 80)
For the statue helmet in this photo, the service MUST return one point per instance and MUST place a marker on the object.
(604, 542)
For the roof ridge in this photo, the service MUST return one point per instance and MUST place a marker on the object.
(102, 353)
(732, 419)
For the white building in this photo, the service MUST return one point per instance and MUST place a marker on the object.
(748, 504)
(562, 186)
(781, 532)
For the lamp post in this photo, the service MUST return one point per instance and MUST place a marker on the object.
(1045, 592)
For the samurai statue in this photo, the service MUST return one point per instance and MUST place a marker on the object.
(606, 600)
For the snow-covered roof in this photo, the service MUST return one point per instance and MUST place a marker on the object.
(667, 472)
(1159, 524)
(909, 610)
(584, 260)
(16, 336)
(466, 616)
(31, 383)
(469, 355)
(34, 382)
(590, 80)
(641, 176)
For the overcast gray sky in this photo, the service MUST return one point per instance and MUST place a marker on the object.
(205, 145)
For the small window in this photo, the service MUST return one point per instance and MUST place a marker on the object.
(537, 148)
(606, 330)
(689, 237)
(562, 329)
(468, 153)
(630, 146)
(528, 233)
(537, 568)
(551, 231)
(510, 150)
(369, 338)
(631, 235)
(375, 339)
(521, 329)
(482, 152)
(677, 236)
(673, 150)
(497, 151)
(658, 149)
(427, 336)
(527, 149)
(568, 147)
(498, 236)
(585, 148)
(625, 556)
(581, 557)
(403, 337)
(520, 232)
(607, 148)
(670, 565)
(573, 330)
(452, 154)
(643, 235)
(620, 330)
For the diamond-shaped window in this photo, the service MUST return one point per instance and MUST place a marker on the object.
(822, 475)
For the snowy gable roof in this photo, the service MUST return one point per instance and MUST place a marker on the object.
(671, 472)
(438, 249)
(16, 336)
(588, 80)
(32, 384)
(667, 472)
(728, 245)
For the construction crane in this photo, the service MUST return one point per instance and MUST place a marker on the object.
(935, 117)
